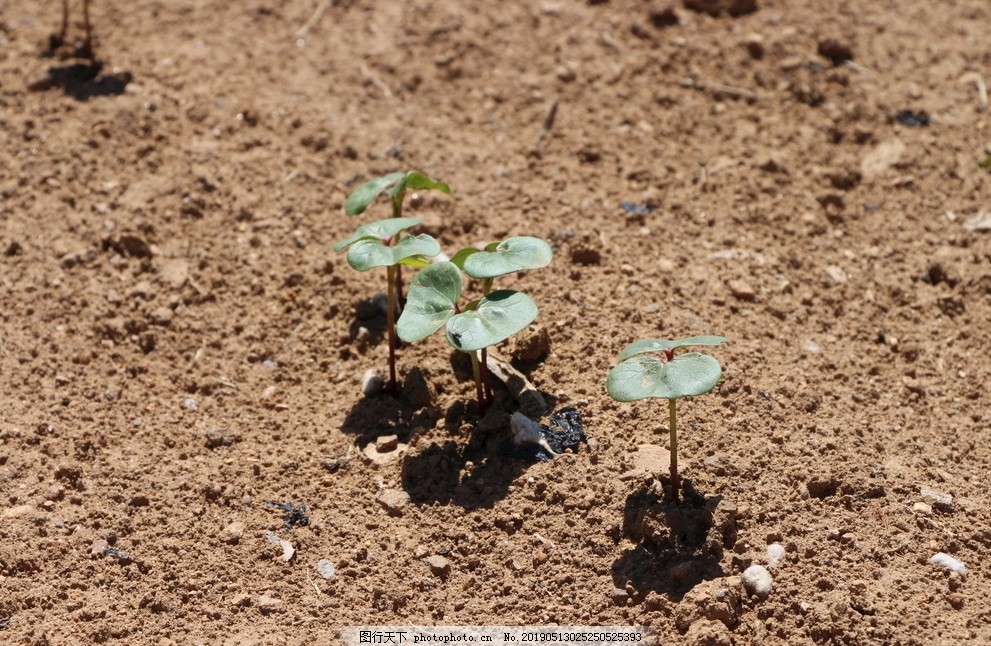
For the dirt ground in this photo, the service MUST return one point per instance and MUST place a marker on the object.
(182, 352)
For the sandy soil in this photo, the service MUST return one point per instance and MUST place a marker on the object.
(180, 347)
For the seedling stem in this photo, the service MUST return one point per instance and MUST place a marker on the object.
(486, 382)
(673, 425)
(476, 372)
(390, 323)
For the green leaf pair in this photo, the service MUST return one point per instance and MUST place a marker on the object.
(369, 246)
(394, 185)
(685, 375)
(501, 258)
(432, 304)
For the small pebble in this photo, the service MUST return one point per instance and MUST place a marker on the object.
(439, 565)
(232, 533)
(837, 274)
(189, 404)
(393, 500)
(922, 508)
(55, 493)
(162, 316)
(326, 569)
(946, 561)
(775, 554)
(387, 443)
(757, 580)
(741, 290)
(288, 551)
(268, 604)
(371, 382)
(980, 221)
(938, 499)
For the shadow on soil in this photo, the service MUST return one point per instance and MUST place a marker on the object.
(401, 414)
(83, 81)
(678, 546)
(476, 467)
(472, 468)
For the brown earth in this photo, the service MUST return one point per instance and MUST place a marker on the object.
(179, 343)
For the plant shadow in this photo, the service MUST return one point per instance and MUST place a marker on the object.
(472, 474)
(678, 545)
(385, 413)
(368, 315)
(83, 81)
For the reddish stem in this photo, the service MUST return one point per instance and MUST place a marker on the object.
(390, 323)
(673, 424)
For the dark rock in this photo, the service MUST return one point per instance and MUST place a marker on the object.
(664, 18)
(913, 119)
(835, 50)
(566, 432)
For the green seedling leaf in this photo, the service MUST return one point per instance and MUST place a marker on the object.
(417, 262)
(645, 346)
(380, 230)
(498, 316)
(393, 185)
(370, 253)
(421, 182)
(686, 375)
(431, 301)
(462, 255)
(512, 254)
(365, 194)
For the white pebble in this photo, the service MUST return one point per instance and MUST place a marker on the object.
(371, 383)
(775, 554)
(757, 580)
(326, 569)
(946, 561)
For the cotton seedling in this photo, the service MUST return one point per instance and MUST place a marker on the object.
(433, 303)
(499, 259)
(679, 375)
(383, 244)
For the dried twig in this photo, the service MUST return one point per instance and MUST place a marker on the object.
(379, 83)
(857, 67)
(304, 31)
(313, 583)
(547, 125)
(982, 90)
(531, 402)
